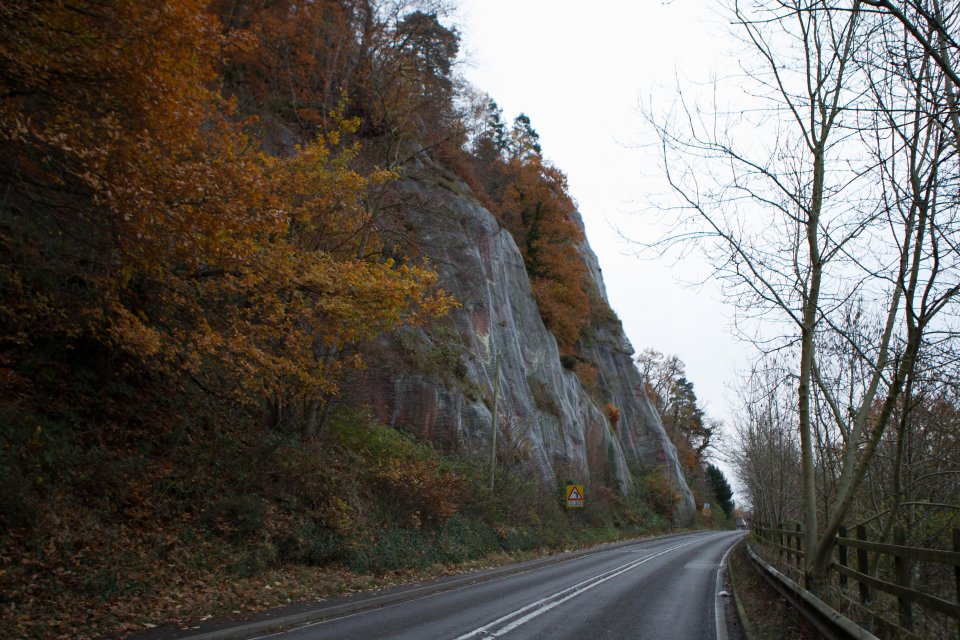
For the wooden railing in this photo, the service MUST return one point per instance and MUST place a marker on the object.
(786, 543)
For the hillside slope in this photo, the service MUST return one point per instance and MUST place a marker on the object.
(438, 382)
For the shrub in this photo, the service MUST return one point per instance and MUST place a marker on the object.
(420, 491)
(465, 538)
(659, 493)
(588, 374)
(239, 517)
(613, 415)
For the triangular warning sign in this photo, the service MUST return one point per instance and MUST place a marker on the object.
(574, 496)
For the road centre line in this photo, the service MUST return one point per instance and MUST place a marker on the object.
(543, 605)
(637, 546)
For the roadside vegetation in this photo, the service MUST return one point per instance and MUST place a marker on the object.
(697, 436)
(766, 615)
(198, 239)
(826, 203)
(146, 527)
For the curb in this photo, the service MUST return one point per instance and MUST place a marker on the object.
(244, 631)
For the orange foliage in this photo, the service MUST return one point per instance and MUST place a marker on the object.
(393, 64)
(539, 212)
(139, 214)
(421, 490)
(297, 65)
(461, 166)
(687, 456)
(613, 414)
(588, 374)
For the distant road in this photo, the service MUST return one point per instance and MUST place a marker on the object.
(656, 589)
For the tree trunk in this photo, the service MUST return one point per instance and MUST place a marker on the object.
(310, 419)
(807, 346)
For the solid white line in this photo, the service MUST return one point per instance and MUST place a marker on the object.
(433, 595)
(543, 605)
(719, 608)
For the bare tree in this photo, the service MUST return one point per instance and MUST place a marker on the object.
(776, 263)
(765, 452)
(932, 24)
(835, 218)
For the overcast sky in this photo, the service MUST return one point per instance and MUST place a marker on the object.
(580, 72)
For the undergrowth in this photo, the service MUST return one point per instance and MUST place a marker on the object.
(161, 515)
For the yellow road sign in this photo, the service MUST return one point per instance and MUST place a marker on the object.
(574, 496)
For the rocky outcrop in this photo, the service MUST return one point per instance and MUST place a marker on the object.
(437, 382)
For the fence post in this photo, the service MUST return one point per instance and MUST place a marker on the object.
(901, 568)
(798, 563)
(842, 559)
(780, 543)
(863, 565)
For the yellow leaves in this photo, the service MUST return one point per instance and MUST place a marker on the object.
(185, 244)
(130, 334)
(421, 489)
(613, 415)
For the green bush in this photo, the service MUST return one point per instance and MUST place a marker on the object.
(239, 517)
(463, 539)
(659, 493)
(234, 499)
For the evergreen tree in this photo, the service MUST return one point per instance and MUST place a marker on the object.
(525, 141)
(721, 489)
(492, 141)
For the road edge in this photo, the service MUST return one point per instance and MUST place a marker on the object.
(719, 606)
(355, 604)
(746, 627)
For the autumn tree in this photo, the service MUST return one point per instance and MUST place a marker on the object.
(299, 60)
(140, 219)
(539, 212)
(675, 400)
(392, 61)
(658, 372)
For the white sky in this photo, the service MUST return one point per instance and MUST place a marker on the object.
(580, 71)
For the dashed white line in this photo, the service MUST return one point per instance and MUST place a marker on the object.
(529, 612)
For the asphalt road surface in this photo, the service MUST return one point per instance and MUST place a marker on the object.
(665, 588)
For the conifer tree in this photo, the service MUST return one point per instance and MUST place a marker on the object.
(721, 489)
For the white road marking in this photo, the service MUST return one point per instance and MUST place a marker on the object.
(543, 605)
(719, 608)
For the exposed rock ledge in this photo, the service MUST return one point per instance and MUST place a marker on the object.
(438, 382)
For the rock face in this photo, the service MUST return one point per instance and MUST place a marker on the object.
(438, 382)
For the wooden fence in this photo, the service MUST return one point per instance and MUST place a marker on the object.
(787, 543)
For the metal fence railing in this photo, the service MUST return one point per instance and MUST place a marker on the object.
(921, 584)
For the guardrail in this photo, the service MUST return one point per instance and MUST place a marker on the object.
(901, 565)
(831, 624)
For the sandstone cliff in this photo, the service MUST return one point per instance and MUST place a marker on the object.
(438, 382)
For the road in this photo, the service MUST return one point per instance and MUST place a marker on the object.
(664, 588)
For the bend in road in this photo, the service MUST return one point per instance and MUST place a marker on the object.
(652, 589)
